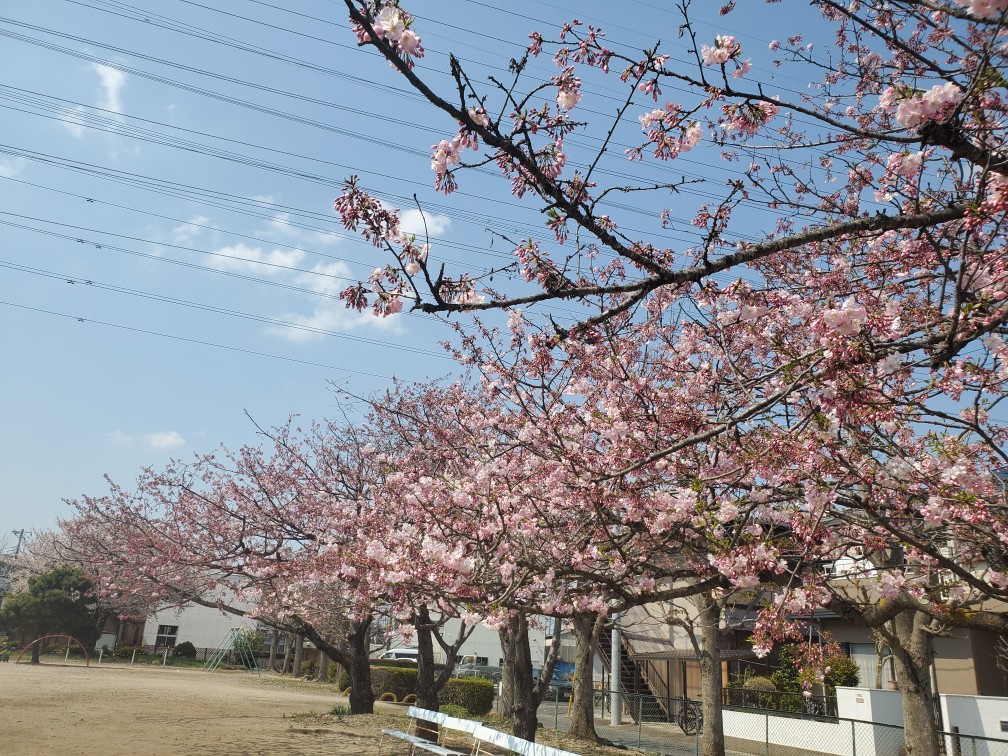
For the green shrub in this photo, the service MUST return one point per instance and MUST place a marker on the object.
(787, 676)
(762, 684)
(399, 681)
(184, 650)
(454, 710)
(309, 669)
(474, 694)
(126, 652)
(842, 671)
(759, 692)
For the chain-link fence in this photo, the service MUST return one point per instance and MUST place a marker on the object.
(672, 727)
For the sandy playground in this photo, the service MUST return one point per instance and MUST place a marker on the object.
(113, 709)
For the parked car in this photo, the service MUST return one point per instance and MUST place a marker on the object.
(561, 687)
(408, 654)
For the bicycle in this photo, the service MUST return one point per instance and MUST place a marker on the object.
(690, 719)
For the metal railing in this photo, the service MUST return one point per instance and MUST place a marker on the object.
(654, 726)
(780, 701)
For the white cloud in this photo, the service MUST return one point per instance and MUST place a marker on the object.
(10, 168)
(332, 316)
(189, 230)
(412, 222)
(156, 440)
(112, 80)
(73, 122)
(243, 258)
(121, 438)
(329, 278)
(164, 440)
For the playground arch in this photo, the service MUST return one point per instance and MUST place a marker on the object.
(87, 657)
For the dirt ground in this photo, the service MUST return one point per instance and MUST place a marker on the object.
(57, 708)
(70, 709)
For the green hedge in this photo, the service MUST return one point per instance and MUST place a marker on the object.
(475, 694)
(472, 693)
(398, 680)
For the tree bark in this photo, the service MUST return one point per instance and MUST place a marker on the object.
(323, 667)
(352, 655)
(911, 646)
(582, 712)
(359, 668)
(298, 654)
(518, 663)
(35, 653)
(427, 692)
(505, 697)
(288, 642)
(709, 619)
(274, 642)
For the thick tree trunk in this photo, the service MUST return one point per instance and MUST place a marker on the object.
(912, 650)
(518, 663)
(582, 710)
(427, 692)
(274, 642)
(352, 655)
(288, 642)
(323, 667)
(359, 668)
(505, 697)
(709, 619)
(298, 654)
(35, 653)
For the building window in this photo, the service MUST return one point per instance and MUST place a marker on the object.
(166, 635)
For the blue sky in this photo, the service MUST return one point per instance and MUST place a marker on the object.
(153, 292)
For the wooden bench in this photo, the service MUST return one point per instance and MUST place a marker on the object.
(443, 721)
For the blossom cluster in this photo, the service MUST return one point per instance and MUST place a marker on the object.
(725, 48)
(393, 25)
(984, 8)
(568, 89)
(666, 131)
(914, 108)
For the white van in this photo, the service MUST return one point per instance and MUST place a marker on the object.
(409, 654)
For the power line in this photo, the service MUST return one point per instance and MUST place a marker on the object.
(98, 285)
(185, 339)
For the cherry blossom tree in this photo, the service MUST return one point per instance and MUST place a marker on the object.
(276, 531)
(821, 364)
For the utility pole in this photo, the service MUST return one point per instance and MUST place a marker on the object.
(20, 535)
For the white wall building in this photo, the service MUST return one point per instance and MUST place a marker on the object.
(202, 626)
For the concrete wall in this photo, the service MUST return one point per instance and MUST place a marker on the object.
(983, 716)
(870, 705)
(747, 732)
(200, 625)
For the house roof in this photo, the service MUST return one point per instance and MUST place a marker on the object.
(688, 654)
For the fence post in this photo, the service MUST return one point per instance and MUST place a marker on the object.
(100, 654)
(640, 718)
(165, 659)
(853, 738)
(65, 658)
(767, 734)
(133, 659)
(556, 709)
(973, 740)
